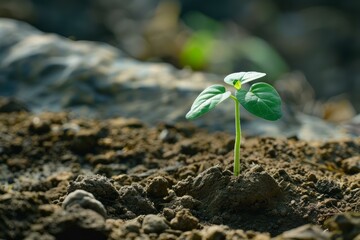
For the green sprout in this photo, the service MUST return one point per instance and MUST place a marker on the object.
(261, 99)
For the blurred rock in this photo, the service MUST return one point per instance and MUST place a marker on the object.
(313, 128)
(92, 78)
(12, 32)
(49, 72)
(353, 127)
(85, 200)
(338, 110)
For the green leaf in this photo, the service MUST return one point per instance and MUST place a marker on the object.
(262, 100)
(207, 100)
(236, 79)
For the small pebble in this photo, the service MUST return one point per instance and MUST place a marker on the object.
(85, 200)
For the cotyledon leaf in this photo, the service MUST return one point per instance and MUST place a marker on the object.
(239, 78)
(262, 100)
(207, 100)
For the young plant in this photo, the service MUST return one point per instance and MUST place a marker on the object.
(261, 99)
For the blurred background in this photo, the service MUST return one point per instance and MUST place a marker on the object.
(309, 47)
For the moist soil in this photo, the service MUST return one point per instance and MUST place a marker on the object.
(69, 178)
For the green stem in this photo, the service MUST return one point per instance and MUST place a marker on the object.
(237, 138)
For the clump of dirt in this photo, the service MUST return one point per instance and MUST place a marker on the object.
(66, 178)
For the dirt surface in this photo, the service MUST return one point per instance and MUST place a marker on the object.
(65, 178)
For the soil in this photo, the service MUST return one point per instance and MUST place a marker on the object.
(69, 178)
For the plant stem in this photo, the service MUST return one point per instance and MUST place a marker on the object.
(237, 138)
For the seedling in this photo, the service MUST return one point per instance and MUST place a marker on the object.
(261, 99)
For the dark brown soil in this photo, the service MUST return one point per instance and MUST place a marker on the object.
(169, 182)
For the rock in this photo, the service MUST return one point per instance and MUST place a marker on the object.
(353, 126)
(12, 32)
(101, 187)
(158, 187)
(91, 77)
(306, 232)
(154, 224)
(351, 165)
(97, 80)
(130, 21)
(85, 200)
(184, 221)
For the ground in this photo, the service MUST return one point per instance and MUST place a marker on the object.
(69, 178)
